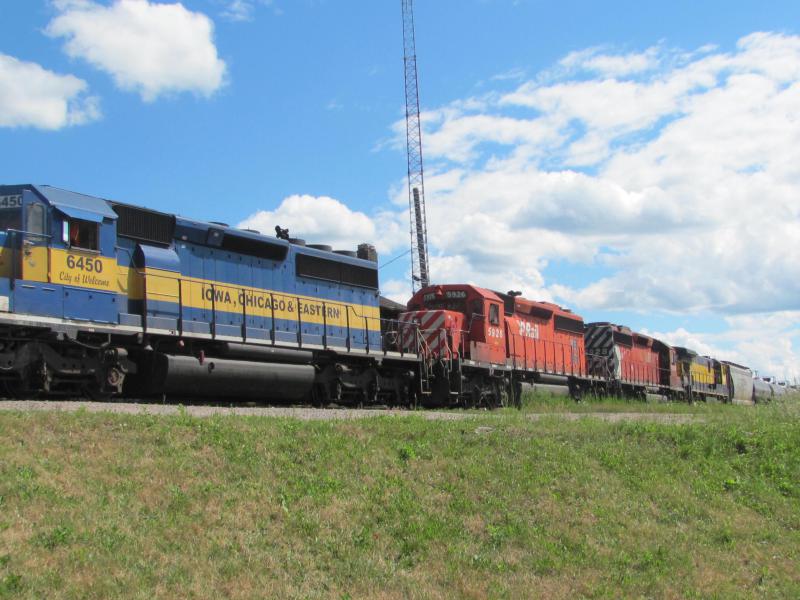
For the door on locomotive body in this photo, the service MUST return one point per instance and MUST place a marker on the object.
(576, 356)
(10, 224)
(33, 292)
(515, 342)
(569, 345)
(486, 335)
(720, 378)
(667, 365)
(495, 332)
(476, 326)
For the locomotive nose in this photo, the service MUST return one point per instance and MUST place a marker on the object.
(425, 332)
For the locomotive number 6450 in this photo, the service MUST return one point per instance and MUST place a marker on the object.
(88, 264)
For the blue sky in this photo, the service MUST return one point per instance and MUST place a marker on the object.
(557, 137)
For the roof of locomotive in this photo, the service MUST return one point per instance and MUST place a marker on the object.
(84, 206)
(685, 352)
(73, 204)
(640, 339)
(620, 328)
(443, 287)
(538, 307)
(521, 305)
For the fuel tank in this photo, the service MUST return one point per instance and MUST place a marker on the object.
(214, 377)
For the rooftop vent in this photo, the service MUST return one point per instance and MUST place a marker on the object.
(367, 252)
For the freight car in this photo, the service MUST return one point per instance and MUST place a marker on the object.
(99, 297)
(740, 383)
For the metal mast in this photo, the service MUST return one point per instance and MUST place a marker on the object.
(416, 181)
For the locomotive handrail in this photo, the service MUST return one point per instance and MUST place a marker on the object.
(15, 257)
(545, 363)
(241, 292)
(33, 233)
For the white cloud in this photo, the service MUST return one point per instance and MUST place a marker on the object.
(31, 96)
(325, 220)
(674, 173)
(239, 11)
(151, 48)
(613, 65)
(398, 290)
(687, 190)
(767, 343)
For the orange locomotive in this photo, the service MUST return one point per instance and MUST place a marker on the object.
(479, 345)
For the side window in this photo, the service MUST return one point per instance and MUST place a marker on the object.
(494, 314)
(83, 234)
(35, 218)
(477, 307)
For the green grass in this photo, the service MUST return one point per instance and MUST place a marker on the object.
(543, 402)
(499, 506)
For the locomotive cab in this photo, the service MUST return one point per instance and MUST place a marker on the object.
(61, 261)
(458, 321)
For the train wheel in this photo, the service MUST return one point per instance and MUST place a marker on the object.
(576, 392)
(501, 393)
(95, 393)
(516, 393)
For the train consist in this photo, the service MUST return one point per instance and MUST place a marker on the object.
(489, 343)
(100, 298)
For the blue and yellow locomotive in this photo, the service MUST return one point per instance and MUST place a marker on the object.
(97, 296)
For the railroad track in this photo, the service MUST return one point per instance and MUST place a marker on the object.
(314, 414)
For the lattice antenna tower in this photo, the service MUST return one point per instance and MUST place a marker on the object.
(420, 277)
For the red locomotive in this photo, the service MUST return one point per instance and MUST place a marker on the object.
(629, 363)
(481, 345)
(478, 347)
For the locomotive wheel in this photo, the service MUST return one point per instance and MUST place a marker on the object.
(576, 393)
(473, 399)
(500, 393)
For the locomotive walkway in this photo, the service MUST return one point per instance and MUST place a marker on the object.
(317, 414)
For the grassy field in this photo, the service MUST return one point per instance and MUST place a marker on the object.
(114, 506)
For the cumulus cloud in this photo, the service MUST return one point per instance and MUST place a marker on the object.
(151, 48)
(766, 342)
(32, 96)
(672, 169)
(672, 172)
(325, 220)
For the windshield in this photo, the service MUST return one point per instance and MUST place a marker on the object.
(10, 219)
(444, 304)
(10, 211)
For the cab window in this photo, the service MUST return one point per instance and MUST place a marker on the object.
(477, 308)
(35, 218)
(494, 314)
(82, 234)
(10, 212)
